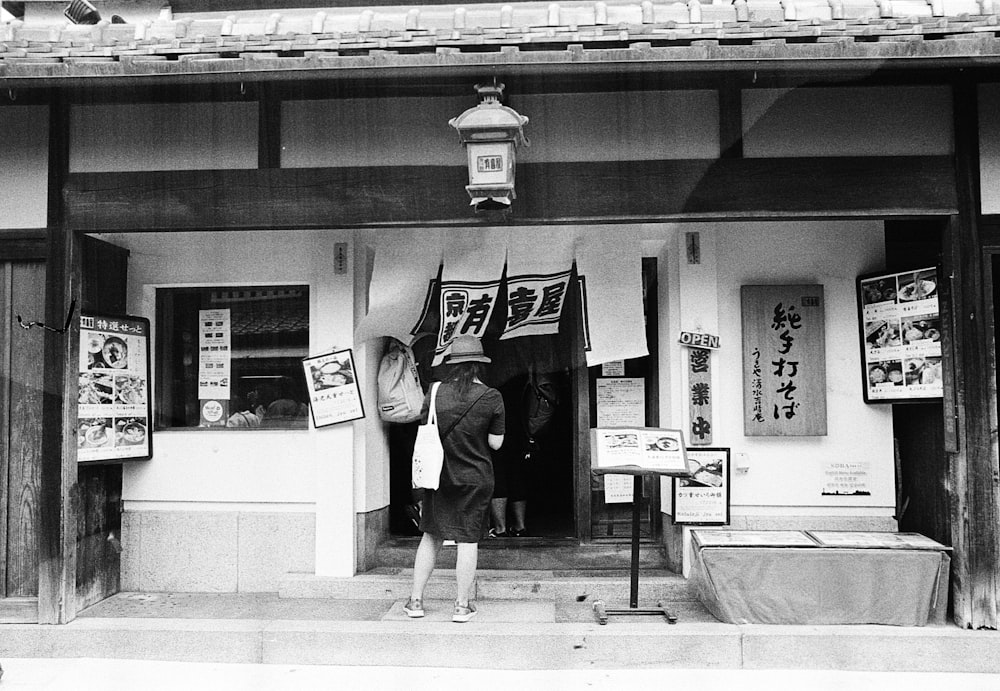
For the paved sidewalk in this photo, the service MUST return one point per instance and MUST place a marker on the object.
(87, 674)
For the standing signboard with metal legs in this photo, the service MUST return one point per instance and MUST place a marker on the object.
(639, 452)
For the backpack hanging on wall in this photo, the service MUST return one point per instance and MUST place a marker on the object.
(400, 397)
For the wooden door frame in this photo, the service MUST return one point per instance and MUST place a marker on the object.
(580, 401)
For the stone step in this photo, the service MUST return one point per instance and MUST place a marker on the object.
(529, 554)
(508, 635)
(495, 584)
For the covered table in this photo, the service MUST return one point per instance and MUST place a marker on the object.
(821, 577)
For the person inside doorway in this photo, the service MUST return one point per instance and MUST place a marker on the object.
(471, 423)
(531, 400)
(510, 496)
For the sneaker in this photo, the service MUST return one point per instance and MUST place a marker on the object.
(464, 613)
(493, 534)
(414, 608)
(523, 532)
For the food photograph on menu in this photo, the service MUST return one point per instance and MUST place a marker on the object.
(113, 408)
(900, 336)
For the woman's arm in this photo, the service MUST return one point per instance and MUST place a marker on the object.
(495, 441)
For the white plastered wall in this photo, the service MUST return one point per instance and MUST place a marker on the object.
(989, 153)
(785, 475)
(262, 471)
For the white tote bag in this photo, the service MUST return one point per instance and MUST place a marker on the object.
(428, 454)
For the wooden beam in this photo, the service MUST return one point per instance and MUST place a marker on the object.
(730, 118)
(268, 128)
(975, 496)
(57, 519)
(23, 245)
(546, 193)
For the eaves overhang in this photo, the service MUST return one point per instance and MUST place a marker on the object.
(816, 36)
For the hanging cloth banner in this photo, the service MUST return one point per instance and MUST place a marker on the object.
(538, 271)
(406, 263)
(467, 301)
(609, 263)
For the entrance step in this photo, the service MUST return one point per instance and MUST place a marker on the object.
(495, 584)
(507, 634)
(530, 554)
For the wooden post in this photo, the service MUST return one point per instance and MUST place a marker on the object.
(58, 490)
(582, 477)
(972, 474)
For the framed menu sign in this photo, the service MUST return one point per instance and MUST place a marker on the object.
(334, 395)
(114, 407)
(900, 336)
(703, 498)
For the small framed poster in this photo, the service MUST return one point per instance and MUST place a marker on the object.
(332, 382)
(703, 498)
(900, 327)
(114, 408)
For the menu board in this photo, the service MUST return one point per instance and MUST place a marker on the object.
(873, 540)
(900, 336)
(114, 409)
(752, 538)
(334, 395)
(703, 498)
(640, 448)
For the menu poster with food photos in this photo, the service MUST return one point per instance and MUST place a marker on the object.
(114, 409)
(900, 336)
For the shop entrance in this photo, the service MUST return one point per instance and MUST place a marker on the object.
(544, 475)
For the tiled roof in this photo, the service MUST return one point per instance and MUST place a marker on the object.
(513, 34)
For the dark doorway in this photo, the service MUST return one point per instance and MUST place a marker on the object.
(922, 465)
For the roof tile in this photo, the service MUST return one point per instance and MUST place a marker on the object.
(583, 31)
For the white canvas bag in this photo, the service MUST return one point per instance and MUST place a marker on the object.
(428, 453)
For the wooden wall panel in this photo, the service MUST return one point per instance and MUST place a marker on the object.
(26, 431)
(6, 327)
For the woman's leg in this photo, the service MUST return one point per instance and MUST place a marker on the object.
(423, 565)
(465, 570)
(498, 508)
(518, 509)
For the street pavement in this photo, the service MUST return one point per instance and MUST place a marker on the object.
(86, 674)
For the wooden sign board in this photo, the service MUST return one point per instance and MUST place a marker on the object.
(784, 360)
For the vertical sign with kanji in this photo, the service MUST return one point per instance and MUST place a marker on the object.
(784, 361)
(700, 395)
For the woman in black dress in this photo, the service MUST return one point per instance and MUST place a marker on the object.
(470, 418)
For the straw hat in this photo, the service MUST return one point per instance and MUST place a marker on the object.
(466, 349)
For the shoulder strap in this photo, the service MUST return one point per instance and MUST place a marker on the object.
(459, 418)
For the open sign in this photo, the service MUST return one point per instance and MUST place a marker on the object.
(699, 340)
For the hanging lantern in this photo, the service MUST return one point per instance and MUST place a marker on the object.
(490, 133)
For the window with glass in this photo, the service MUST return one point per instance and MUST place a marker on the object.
(231, 357)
